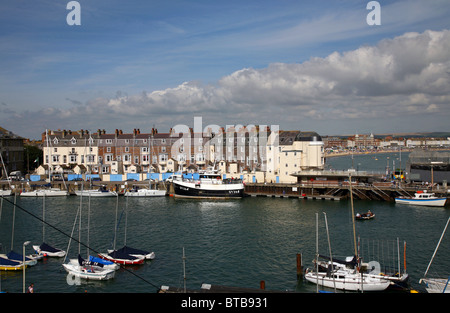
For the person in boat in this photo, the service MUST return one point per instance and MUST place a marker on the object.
(30, 288)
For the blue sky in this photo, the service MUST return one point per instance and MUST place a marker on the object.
(136, 64)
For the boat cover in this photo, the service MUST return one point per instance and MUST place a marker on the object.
(4, 261)
(16, 256)
(46, 247)
(83, 262)
(129, 250)
(116, 254)
(100, 260)
(353, 262)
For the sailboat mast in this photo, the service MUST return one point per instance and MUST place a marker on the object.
(437, 247)
(353, 213)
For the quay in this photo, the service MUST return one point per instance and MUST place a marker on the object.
(308, 190)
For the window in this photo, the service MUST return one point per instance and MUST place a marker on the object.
(108, 149)
(127, 149)
(73, 141)
(73, 158)
(108, 141)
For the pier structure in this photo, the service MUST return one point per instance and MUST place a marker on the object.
(313, 185)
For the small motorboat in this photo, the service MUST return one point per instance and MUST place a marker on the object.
(422, 198)
(364, 216)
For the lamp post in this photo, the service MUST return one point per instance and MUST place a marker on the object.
(26, 243)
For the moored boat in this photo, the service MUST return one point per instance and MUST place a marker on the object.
(121, 258)
(135, 252)
(52, 192)
(88, 270)
(423, 198)
(10, 265)
(47, 250)
(209, 186)
(100, 192)
(144, 192)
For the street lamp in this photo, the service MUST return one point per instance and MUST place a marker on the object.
(26, 243)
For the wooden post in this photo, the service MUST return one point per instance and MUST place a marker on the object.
(299, 266)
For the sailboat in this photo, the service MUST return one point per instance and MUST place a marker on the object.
(86, 269)
(101, 191)
(126, 255)
(45, 249)
(10, 265)
(345, 275)
(436, 285)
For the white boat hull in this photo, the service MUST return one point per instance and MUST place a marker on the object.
(45, 192)
(440, 202)
(347, 280)
(89, 272)
(58, 254)
(5, 193)
(95, 193)
(146, 193)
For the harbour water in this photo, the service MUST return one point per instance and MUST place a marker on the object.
(232, 243)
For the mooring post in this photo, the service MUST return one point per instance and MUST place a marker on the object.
(299, 266)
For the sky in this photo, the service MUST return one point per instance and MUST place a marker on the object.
(301, 65)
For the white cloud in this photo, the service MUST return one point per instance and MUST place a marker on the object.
(406, 75)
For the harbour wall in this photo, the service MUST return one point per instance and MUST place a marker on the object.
(316, 191)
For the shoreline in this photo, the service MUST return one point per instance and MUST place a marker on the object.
(338, 154)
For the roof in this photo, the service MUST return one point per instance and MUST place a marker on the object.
(4, 133)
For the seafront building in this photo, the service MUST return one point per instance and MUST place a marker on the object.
(12, 151)
(253, 154)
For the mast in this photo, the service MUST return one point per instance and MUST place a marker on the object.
(353, 213)
(437, 247)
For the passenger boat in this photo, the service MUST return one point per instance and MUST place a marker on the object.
(208, 185)
(422, 198)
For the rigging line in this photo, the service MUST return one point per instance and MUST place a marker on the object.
(72, 238)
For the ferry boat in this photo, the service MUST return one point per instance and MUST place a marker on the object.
(209, 185)
(423, 198)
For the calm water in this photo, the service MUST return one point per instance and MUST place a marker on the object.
(233, 243)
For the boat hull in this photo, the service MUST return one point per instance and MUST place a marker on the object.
(208, 191)
(136, 261)
(88, 272)
(95, 193)
(46, 193)
(349, 282)
(436, 285)
(146, 193)
(440, 202)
